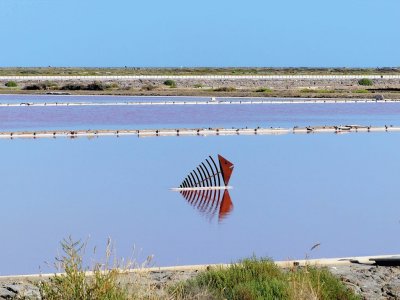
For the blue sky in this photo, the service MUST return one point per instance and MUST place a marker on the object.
(313, 33)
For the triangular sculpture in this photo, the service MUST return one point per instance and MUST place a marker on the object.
(208, 175)
(226, 168)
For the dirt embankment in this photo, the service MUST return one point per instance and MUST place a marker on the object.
(370, 282)
(321, 88)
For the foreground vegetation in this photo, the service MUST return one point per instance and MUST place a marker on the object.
(248, 279)
(195, 71)
(74, 282)
(262, 279)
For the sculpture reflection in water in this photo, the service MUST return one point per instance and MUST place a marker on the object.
(206, 188)
(210, 203)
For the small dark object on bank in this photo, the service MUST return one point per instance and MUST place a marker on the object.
(387, 262)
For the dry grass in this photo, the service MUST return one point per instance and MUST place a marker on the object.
(101, 281)
(262, 279)
(248, 279)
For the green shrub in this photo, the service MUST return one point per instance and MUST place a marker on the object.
(198, 86)
(148, 87)
(361, 91)
(95, 86)
(225, 89)
(264, 90)
(73, 87)
(74, 283)
(11, 84)
(308, 91)
(262, 279)
(365, 81)
(49, 85)
(325, 91)
(113, 85)
(33, 87)
(170, 83)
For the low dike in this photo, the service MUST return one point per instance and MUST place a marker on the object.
(202, 101)
(372, 277)
(185, 132)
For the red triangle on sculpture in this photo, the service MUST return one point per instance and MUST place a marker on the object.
(226, 168)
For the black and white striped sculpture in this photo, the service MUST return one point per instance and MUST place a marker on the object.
(208, 176)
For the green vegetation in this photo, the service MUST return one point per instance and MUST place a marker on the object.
(73, 87)
(316, 91)
(365, 81)
(148, 87)
(170, 83)
(225, 89)
(198, 86)
(264, 90)
(325, 91)
(262, 279)
(308, 91)
(248, 279)
(33, 87)
(47, 85)
(73, 283)
(113, 85)
(95, 86)
(361, 91)
(195, 71)
(11, 84)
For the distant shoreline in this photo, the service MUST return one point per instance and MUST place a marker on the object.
(131, 70)
(285, 86)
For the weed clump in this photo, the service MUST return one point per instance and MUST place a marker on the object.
(365, 81)
(74, 283)
(95, 86)
(225, 89)
(321, 91)
(47, 85)
(170, 83)
(148, 87)
(34, 87)
(307, 91)
(263, 90)
(262, 279)
(11, 84)
(112, 85)
(72, 87)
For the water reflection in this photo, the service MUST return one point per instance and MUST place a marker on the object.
(210, 203)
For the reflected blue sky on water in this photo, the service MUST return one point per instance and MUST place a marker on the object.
(290, 192)
(197, 116)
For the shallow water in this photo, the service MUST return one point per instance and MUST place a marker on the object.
(290, 192)
(189, 116)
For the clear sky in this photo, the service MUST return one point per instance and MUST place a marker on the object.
(312, 33)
